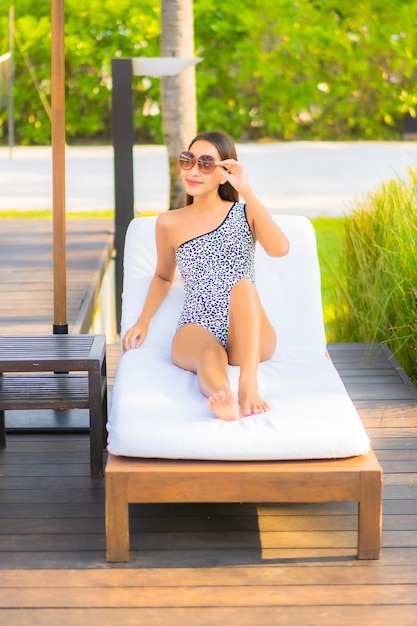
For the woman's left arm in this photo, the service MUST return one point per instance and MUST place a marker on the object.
(263, 226)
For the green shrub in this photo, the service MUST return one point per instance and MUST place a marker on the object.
(377, 295)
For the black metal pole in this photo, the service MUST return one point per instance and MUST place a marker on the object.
(123, 141)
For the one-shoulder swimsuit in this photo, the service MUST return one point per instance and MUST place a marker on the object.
(211, 265)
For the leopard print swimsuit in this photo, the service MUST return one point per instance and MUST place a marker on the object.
(210, 265)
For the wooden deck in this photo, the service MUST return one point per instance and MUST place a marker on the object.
(197, 565)
(208, 565)
(26, 273)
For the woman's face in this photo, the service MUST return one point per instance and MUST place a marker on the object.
(196, 182)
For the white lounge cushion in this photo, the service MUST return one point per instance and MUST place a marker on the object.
(157, 409)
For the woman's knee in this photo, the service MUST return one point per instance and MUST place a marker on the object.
(212, 354)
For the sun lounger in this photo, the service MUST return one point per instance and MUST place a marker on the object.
(166, 446)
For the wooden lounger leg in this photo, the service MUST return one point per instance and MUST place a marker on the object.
(370, 515)
(117, 518)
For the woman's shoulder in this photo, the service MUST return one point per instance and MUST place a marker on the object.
(170, 224)
(169, 217)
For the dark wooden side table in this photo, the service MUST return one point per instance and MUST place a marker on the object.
(56, 372)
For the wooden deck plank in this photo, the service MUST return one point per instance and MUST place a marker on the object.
(307, 616)
(212, 596)
(26, 272)
(216, 577)
(211, 557)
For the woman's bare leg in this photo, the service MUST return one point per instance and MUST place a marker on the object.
(251, 340)
(197, 350)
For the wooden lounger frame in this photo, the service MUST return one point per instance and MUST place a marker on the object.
(132, 480)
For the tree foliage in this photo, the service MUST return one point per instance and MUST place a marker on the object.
(271, 69)
(95, 33)
(307, 68)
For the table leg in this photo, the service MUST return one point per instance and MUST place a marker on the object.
(2, 430)
(96, 424)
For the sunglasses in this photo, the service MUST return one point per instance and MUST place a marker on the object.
(206, 163)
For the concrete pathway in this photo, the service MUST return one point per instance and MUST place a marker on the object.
(305, 178)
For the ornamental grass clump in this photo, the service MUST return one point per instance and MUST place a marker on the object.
(377, 295)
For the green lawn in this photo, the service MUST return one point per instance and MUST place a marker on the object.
(329, 235)
(47, 214)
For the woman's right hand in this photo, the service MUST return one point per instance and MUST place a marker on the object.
(135, 336)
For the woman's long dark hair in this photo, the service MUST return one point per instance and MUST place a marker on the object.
(226, 149)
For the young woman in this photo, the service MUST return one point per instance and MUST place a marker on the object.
(212, 239)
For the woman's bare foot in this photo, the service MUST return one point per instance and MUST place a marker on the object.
(250, 401)
(224, 404)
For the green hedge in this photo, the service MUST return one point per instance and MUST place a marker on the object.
(271, 69)
(377, 294)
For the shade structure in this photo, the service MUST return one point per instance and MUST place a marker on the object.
(60, 325)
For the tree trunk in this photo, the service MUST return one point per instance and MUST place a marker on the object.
(178, 97)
